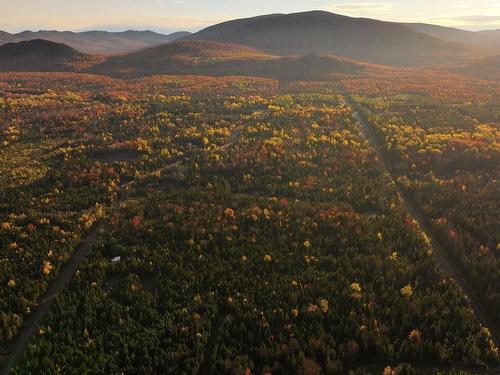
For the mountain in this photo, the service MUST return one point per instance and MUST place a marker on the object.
(488, 40)
(486, 68)
(4, 37)
(98, 42)
(178, 35)
(178, 56)
(220, 59)
(43, 56)
(327, 33)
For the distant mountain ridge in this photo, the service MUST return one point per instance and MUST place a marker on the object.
(488, 40)
(39, 55)
(322, 32)
(370, 40)
(98, 42)
(313, 45)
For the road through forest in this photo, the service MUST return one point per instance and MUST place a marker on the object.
(57, 286)
(447, 264)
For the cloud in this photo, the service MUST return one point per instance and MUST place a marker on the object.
(362, 9)
(475, 22)
(475, 18)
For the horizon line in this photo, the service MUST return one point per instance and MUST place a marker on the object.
(165, 30)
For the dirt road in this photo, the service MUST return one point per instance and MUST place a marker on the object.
(57, 286)
(32, 324)
(447, 264)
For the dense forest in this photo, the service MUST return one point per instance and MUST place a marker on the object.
(249, 224)
(447, 158)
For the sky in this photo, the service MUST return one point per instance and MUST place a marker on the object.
(191, 15)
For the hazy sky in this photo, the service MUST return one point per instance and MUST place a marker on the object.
(171, 15)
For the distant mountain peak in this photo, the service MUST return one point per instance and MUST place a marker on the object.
(319, 31)
(42, 55)
(40, 46)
